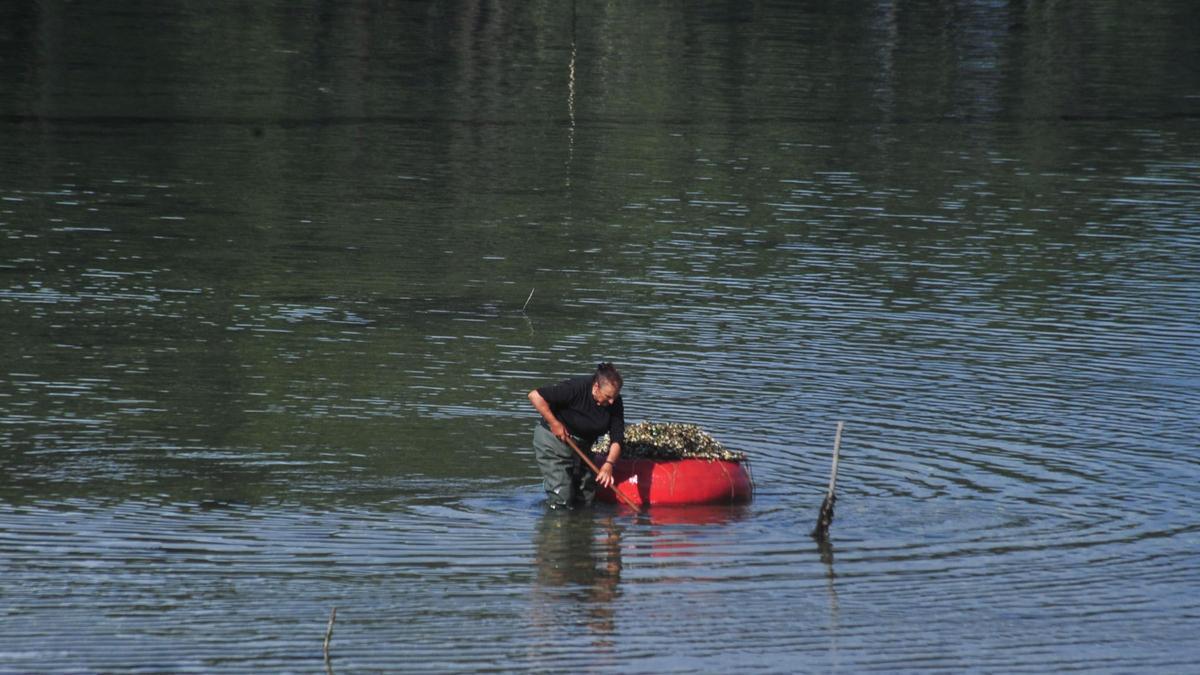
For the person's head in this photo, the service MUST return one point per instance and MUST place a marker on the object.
(606, 384)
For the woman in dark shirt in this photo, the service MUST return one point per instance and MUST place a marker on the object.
(584, 408)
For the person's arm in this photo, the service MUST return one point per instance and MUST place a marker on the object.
(616, 431)
(556, 427)
(605, 477)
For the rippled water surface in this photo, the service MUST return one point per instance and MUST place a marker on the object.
(266, 330)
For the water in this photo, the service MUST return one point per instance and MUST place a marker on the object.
(263, 353)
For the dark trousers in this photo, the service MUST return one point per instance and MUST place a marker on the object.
(567, 480)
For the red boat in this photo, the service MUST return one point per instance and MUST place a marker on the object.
(677, 482)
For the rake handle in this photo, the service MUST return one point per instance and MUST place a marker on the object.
(592, 465)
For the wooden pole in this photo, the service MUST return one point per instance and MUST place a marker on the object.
(825, 517)
(592, 465)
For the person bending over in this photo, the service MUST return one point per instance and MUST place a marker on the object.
(583, 408)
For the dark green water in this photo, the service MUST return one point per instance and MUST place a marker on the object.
(263, 353)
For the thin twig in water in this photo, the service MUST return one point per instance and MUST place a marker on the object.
(528, 299)
(329, 632)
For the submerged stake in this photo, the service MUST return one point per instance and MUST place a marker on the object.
(825, 517)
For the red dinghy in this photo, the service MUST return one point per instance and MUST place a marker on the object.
(678, 482)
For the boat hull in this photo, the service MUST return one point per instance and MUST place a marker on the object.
(679, 482)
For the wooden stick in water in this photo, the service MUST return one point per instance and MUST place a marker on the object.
(825, 517)
(528, 299)
(329, 632)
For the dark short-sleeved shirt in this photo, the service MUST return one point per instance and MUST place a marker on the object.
(571, 401)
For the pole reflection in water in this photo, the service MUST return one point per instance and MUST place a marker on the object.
(825, 550)
(578, 579)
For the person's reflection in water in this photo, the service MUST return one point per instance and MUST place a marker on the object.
(578, 570)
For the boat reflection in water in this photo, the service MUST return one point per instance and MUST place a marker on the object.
(683, 531)
(700, 514)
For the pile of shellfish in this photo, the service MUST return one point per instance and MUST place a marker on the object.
(669, 440)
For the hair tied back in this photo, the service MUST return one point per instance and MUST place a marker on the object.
(606, 371)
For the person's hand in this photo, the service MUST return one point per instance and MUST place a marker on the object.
(605, 478)
(559, 430)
